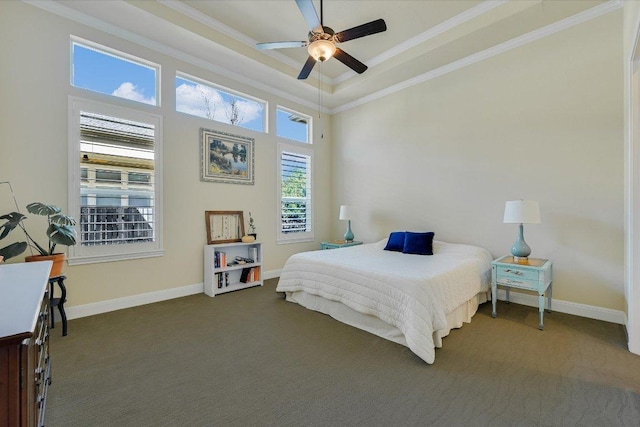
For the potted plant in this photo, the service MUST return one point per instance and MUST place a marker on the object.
(252, 226)
(60, 231)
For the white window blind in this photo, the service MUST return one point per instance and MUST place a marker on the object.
(295, 189)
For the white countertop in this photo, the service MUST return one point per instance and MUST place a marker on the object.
(22, 286)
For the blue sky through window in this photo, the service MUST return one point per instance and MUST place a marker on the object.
(108, 74)
(210, 102)
(292, 126)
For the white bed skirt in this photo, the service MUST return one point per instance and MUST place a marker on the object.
(462, 314)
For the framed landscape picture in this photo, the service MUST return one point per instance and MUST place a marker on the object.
(226, 158)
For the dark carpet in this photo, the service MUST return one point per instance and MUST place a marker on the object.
(250, 358)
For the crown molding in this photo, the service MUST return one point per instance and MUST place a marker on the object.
(532, 36)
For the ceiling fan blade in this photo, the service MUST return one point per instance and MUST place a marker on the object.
(281, 45)
(310, 15)
(306, 69)
(367, 29)
(350, 61)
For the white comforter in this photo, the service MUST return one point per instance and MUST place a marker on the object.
(411, 292)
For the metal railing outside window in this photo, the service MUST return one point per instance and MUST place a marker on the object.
(113, 225)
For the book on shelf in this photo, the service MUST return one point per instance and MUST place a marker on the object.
(219, 259)
(244, 276)
(250, 274)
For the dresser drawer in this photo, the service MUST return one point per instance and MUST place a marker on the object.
(519, 283)
(517, 273)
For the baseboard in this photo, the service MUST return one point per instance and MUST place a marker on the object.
(583, 310)
(75, 312)
(85, 310)
(132, 301)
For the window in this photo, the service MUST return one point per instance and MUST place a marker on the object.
(104, 70)
(295, 161)
(115, 189)
(203, 99)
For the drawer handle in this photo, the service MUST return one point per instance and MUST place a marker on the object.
(516, 272)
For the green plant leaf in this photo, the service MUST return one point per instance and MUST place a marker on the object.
(62, 234)
(13, 249)
(63, 219)
(42, 209)
(13, 220)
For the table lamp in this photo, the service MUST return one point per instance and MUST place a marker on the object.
(345, 214)
(521, 212)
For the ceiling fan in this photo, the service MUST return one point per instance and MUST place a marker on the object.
(322, 40)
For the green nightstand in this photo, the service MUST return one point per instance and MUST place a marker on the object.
(534, 274)
(338, 244)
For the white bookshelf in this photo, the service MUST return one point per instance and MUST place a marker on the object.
(231, 274)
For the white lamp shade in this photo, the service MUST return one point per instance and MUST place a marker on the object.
(345, 212)
(522, 212)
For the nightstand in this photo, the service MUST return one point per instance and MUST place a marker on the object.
(533, 274)
(338, 244)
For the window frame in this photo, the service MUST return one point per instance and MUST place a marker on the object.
(79, 254)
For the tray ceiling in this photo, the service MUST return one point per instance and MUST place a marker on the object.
(424, 38)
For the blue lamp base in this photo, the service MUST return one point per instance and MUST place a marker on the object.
(348, 236)
(520, 249)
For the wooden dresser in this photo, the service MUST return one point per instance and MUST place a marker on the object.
(25, 369)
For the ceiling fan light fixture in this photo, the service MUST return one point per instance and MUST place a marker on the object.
(321, 50)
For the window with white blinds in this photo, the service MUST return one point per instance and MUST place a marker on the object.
(295, 190)
(115, 159)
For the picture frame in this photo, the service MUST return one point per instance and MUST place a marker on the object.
(224, 226)
(226, 158)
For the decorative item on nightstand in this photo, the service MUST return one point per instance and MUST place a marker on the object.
(346, 214)
(521, 212)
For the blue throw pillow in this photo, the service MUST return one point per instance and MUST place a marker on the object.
(395, 242)
(418, 243)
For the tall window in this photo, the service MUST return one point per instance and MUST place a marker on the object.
(204, 99)
(115, 157)
(295, 167)
(101, 69)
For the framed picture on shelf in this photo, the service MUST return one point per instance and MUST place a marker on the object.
(224, 226)
(226, 158)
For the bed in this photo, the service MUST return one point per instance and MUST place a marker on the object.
(413, 300)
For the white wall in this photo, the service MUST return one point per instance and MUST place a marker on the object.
(543, 122)
(632, 171)
(34, 88)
